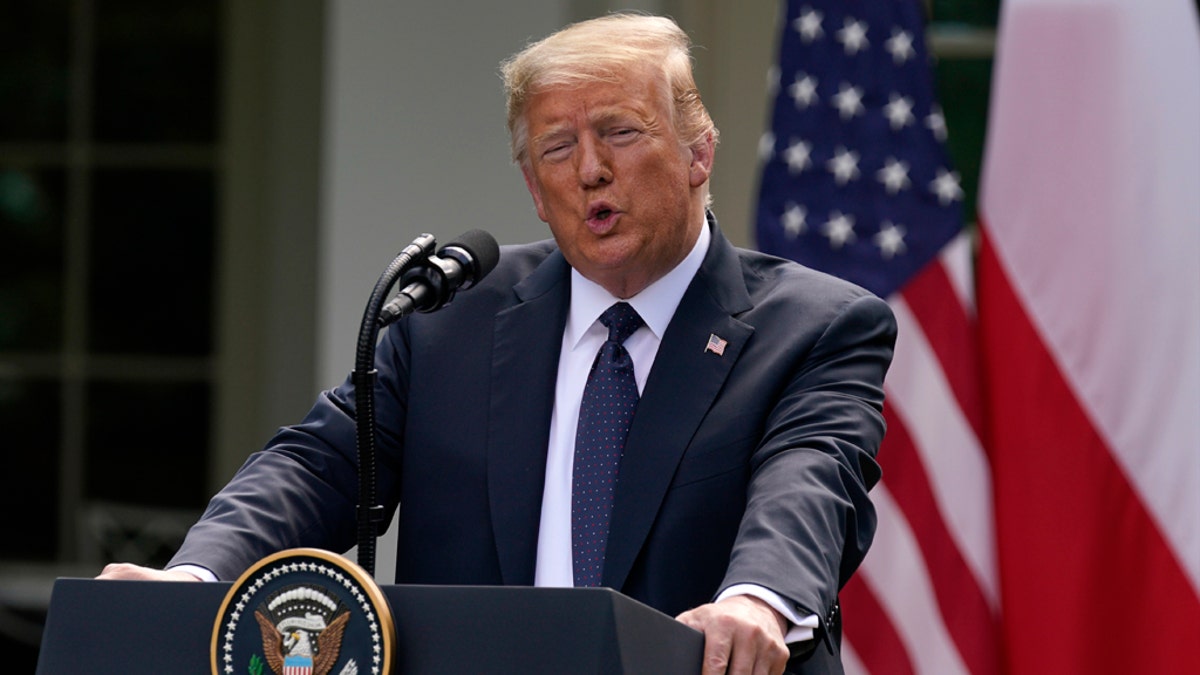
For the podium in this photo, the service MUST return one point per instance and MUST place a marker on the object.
(132, 627)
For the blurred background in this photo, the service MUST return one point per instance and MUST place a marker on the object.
(197, 196)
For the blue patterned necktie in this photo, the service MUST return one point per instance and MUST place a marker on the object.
(609, 399)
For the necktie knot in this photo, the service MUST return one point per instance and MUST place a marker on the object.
(621, 320)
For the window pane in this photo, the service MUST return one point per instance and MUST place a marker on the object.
(151, 262)
(29, 417)
(156, 70)
(147, 443)
(965, 85)
(31, 260)
(33, 70)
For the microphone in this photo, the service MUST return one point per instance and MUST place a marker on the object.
(431, 281)
(432, 284)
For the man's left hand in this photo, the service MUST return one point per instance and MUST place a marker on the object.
(742, 636)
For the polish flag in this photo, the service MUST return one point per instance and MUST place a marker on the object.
(1089, 307)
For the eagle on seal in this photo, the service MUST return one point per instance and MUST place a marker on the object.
(289, 649)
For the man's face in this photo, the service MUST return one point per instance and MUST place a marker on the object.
(608, 173)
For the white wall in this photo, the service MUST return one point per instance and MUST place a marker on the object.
(414, 142)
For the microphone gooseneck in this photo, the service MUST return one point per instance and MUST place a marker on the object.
(431, 282)
(369, 513)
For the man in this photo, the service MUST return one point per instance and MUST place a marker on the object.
(752, 404)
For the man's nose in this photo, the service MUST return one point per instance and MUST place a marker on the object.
(595, 166)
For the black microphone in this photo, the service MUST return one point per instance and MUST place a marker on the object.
(431, 285)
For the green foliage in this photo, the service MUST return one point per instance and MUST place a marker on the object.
(256, 664)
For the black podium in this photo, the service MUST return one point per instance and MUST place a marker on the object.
(132, 627)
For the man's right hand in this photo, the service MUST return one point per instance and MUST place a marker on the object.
(137, 572)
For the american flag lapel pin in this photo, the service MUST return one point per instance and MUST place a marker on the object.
(716, 345)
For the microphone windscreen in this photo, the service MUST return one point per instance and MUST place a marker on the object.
(483, 249)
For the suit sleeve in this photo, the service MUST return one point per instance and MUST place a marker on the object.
(808, 520)
(301, 490)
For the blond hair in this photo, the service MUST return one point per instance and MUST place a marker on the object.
(601, 50)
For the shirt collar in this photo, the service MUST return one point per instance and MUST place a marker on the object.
(656, 303)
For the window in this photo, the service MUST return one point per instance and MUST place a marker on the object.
(108, 219)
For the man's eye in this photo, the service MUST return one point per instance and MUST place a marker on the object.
(623, 135)
(558, 150)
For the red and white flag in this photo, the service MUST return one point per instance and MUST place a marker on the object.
(1089, 305)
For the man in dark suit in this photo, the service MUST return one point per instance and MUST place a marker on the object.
(740, 495)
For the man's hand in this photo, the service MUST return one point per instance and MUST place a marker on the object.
(742, 636)
(137, 572)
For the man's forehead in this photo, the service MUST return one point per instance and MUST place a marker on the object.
(593, 102)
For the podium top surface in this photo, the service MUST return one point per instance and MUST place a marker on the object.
(155, 627)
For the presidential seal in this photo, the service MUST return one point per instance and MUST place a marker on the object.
(303, 612)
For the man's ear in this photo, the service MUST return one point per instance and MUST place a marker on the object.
(535, 191)
(702, 161)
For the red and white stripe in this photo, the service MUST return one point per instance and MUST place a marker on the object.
(926, 598)
(1089, 301)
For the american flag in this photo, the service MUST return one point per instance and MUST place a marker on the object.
(716, 345)
(856, 181)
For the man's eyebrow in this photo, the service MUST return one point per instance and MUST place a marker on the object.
(551, 134)
(609, 114)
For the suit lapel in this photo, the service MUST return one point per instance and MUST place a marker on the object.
(681, 388)
(527, 340)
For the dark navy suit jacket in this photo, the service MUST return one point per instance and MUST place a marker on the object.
(748, 466)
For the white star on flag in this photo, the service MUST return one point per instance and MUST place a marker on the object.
(890, 239)
(844, 166)
(797, 156)
(853, 36)
(848, 100)
(840, 229)
(766, 146)
(803, 91)
(899, 111)
(936, 122)
(946, 187)
(900, 46)
(894, 175)
(808, 25)
(795, 219)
